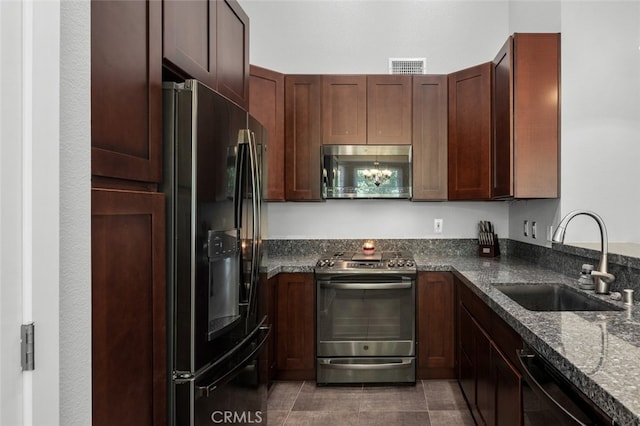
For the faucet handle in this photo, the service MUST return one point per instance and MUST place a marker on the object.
(604, 276)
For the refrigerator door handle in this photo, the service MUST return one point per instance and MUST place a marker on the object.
(240, 165)
(255, 204)
(206, 390)
(180, 377)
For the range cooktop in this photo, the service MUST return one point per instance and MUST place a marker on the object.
(358, 262)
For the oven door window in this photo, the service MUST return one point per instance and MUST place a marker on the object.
(364, 313)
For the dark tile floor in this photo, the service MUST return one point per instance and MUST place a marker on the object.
(429, 402)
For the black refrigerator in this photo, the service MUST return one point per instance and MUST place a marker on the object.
(213, 174)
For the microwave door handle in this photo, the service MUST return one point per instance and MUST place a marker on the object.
(541, 392)
(366, 286)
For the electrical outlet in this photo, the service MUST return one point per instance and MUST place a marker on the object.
(437, 226)
(526, 228)
(534, 229)
(549, 232)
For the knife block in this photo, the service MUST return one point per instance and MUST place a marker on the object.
(489, 250)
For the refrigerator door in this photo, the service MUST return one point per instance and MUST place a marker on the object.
(208, 303)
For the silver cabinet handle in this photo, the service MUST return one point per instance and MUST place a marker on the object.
(385, 366)
(366, 286)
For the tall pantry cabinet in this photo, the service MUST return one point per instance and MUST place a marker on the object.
(128, 308)
(203, 39)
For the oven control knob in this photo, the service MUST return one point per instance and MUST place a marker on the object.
(410, 264)
(391, 264)
(331, 263)
(400, 263)
(322, 263)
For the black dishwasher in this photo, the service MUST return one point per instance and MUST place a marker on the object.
(549, 399)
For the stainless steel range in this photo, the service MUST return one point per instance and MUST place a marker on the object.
(365, 326)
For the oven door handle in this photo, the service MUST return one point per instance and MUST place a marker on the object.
(366, 286)
(385, 366)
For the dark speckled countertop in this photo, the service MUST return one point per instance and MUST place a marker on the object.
(598, 351)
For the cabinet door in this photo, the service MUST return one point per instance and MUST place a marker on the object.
(128, 309)
(232, 45)
(466, 356)
(430, 137)
(189, 36)
(389, 109)
(526, 117)
(507, 391)
(126, 85)
(502, 179)
(344, 109)
(267, 106)
(536, 115)
(435, 325)
(295, 330)
(469, 150)
(302, 137)
(485, 387)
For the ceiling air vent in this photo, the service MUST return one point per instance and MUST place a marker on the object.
(407, 65)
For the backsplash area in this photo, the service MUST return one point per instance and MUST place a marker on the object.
(565, 259)
(441, 247)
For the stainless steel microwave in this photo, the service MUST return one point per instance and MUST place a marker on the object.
(366, 171)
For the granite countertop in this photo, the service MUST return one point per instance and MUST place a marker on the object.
(598, 352)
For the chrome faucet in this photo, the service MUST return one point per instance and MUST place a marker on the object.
(601, 276)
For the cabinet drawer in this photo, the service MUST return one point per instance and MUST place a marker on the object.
(505, 338)
(476, 307)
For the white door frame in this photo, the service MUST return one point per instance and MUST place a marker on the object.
(29, 206)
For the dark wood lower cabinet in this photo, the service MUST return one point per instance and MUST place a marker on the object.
(128, 310)
(508, 388)
(485, 395)
(489, 381)
(435, 316)
(295, 326)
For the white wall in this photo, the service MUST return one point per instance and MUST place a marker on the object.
(75, 213)
(601, 117)
(346, 36)
(382, 219)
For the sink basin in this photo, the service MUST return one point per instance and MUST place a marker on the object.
(553, 297)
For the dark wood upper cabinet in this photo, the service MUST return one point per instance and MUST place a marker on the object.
(527, 117)
(232, 38)
(189, 36)
(128, 309)
(470, 133)
(344, 109)
(126, 90)
(429, 137)
(267, 106)
(389, 109)
(209, 40)
(302, 137)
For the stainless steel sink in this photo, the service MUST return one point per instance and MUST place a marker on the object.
(553, 297)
